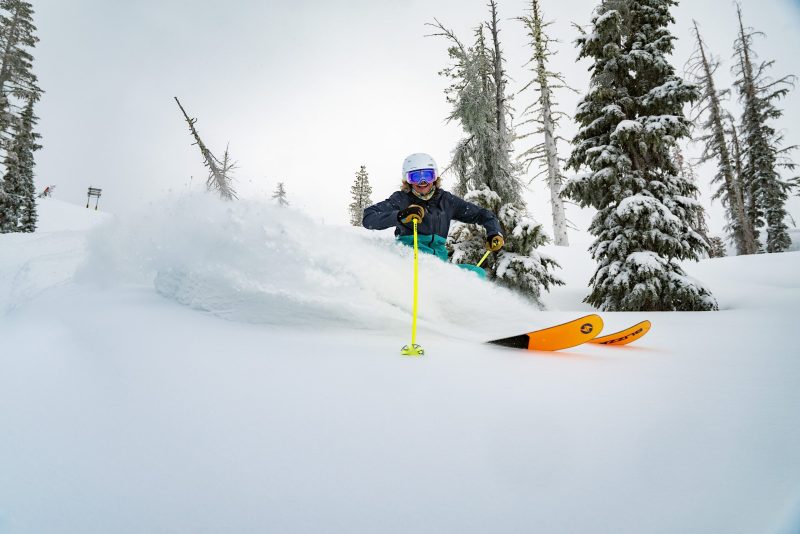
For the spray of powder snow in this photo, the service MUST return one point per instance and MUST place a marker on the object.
(254, 262)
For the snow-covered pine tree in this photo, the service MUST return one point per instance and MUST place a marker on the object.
(630, 120)
(709, 109)
(485, 173)
(18, 204)
(360, 191)
(686, 172)
(280, 195)
(519, 266)
(219, 178)
(762, 150)
(717, 249)
(17, 38)
(11, 188)
(544, 115)
(471, 98)
(24, 144)
(17, 81)
(9, 196)
(480, 104)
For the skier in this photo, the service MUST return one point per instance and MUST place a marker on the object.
(421, 197)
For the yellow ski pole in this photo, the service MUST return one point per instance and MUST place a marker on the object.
(484, 258)
(414, 349)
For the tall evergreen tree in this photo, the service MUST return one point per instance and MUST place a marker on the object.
(715, 147)
(360, 191)
(279, 195)
(17, 80)
(24, 145)
(17, 83)
(471, 95)
(630, 119)
(18, 201)
(481, 105)
(544, 115)
(763, 154)
(484, 170)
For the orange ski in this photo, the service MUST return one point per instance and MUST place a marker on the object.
(623, 337)
(558, 337)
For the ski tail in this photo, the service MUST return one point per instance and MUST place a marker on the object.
(623, 337)
(557, 337)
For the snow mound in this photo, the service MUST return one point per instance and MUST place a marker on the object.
(252, 262)
(754, 282)
(31, 264)
(56, 215)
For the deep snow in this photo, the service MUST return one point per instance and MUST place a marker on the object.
(210, 367)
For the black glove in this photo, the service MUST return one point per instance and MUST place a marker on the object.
(494, 242)
(411, 213)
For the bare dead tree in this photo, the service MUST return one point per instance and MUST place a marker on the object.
(219, 179)
(702, 67)
(545, 117)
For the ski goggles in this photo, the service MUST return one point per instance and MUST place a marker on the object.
(421, 175)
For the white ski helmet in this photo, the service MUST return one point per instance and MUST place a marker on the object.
(419, 161)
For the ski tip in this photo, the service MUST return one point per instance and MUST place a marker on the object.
(562, 336)
(623, 337)
(515, 342)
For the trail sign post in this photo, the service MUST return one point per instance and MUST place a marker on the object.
(93, 192)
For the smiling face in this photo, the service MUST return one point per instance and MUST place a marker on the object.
(422, 189)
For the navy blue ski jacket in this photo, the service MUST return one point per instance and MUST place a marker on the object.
(440, 209)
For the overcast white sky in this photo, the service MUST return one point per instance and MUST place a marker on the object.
(304, 91)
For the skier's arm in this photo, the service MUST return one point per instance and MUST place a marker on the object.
(383, 214)
(472, 213)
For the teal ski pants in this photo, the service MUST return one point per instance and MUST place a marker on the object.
(435, 244)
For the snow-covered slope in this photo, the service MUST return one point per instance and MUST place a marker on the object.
(209, 367)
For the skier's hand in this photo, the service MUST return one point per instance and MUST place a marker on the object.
(411, 213)
(494, 242)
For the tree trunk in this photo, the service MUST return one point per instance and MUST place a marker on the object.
(211, 162)
(748, 199)
(748, 177)
(551, 153)
(498, 77)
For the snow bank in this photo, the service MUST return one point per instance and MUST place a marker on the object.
(123, 411)
(58, 216)
(756, 282)
(33, 263)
